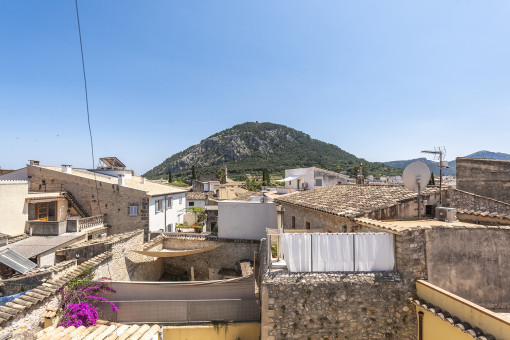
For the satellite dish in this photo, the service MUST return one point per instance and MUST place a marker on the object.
(416, 173)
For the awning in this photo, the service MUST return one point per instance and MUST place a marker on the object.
(44, 199)
(175, 252)
(17, 262)
(288, 179)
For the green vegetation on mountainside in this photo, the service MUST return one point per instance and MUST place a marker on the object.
(250, 147)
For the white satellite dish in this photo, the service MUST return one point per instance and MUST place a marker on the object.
(416, 176)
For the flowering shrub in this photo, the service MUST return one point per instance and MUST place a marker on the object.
(80, 299)
(79, 314)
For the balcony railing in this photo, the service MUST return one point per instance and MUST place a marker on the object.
(79, 224)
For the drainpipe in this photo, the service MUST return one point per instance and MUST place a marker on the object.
(166, 207)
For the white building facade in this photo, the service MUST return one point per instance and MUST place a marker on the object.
(310, 178)
(166, 211)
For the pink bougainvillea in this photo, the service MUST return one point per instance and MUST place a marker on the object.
(79, 314)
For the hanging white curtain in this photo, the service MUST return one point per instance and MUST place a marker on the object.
(297, 252)
(374, 252)
(338, 252)
(332, 252)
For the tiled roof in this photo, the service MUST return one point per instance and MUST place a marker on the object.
(35, 245)
(13, 309)
(196, 196)
(483, 214)
(465, 327)
(104, 240)
(112, 331)
(352, 200)
(151, 188)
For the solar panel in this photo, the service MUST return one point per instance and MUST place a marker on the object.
(17, 262)
(111, 162)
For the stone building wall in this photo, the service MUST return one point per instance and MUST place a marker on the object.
(109, 199)
(484, 177)
(319, 221)
(473, 263)
(126, 265)
(228, 255)
(23, 283)
(468, 201)
(336, 306)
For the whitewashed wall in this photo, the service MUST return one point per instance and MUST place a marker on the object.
(173, 215)
(245, 219)
(13, 207)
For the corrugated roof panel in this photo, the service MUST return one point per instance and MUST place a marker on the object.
(17, 262)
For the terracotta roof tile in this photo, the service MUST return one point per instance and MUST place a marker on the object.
(352, 200)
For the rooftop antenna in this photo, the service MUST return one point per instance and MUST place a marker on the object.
(416, 175)
(439, 155)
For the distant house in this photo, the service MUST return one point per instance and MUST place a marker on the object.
(310, 178)
(128, 202)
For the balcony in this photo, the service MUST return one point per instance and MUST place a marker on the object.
(70, 225)
(78, 224)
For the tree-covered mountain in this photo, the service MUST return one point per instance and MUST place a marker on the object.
(452, 170)
(250, 147)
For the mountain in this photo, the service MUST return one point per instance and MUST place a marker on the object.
(248, 148)
(434, 166)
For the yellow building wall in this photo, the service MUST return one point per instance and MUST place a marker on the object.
(13, 208)
(465, 310)
(436, 329)
(232, 331)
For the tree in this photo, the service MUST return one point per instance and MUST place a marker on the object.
(252, 184)
(220, 175)
(432, 179)
(199, 213)
(170, 176)
(193, 173)
(265, 177)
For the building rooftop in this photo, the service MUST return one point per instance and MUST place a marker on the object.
(196, 196)
(135, 182)
(101, 331)
(397, 227)
(35, 245)
(352, 200)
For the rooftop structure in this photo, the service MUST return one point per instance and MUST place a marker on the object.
(352, 200)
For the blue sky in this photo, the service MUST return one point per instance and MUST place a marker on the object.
(380, 79)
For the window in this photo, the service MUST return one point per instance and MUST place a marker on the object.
(294, 222)
(133, 210)
(169, 203)
(158, 205)
(180, 200)
(46, 211)
(307, 225)
(191, 204)
(318, 182)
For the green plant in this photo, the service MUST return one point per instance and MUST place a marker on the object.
(274, 251)
(170, 176)
(193, 173)
(432, 179)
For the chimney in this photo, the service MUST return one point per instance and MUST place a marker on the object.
(143, 180)
(66, 168)
(32, 162)
(122, 181)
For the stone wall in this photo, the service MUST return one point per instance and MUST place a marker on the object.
(319, 221)
(468, 201)
(228, 255)
(484, 177)
(23, 283)
(126, 265)
(473, 263)
(336, 306)
(109, 199)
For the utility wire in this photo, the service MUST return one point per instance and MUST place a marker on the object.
(87, 102)
(88, 117)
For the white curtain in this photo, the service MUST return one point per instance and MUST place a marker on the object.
(374, 252)
(332, 252)
(297, 252)
(338, 252)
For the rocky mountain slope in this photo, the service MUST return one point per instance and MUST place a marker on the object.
(250, 147)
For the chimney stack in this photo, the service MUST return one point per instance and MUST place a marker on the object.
(143, 180)
(32, 162)
(122, 181)
(66, 168)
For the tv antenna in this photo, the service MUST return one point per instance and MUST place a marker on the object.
(416, 176)
(439, 155)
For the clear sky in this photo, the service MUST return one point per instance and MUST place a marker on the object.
(380, 79)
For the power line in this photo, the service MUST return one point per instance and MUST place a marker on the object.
(87, 102)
